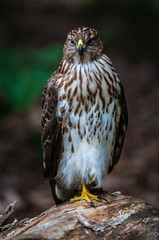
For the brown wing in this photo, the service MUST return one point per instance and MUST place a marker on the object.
(121, 129)
(51, 130)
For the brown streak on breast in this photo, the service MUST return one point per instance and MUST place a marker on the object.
(97, 67)
(80, 113)
(79, 132)
(72, 148)
(78, 125)
(75, 91)
(109, 63)
(101, 63)
(69, 83)
(86, 107)
(62, 110)
(82, 99)
(98, 80)
(61, 83)
(106, 137)
(108, 84)
(69, 123)
(70, 103)
(96, 108)
(69, 94)
(70, 138)
(115, 77)
(77, 108)
(101, 97)
(65, 86)
(98, 114)
(110, 101)
(90, 78)
(91, 122)
(91, 116)
(81, 136)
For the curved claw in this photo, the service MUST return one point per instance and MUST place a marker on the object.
(102, 198)
(92, 204)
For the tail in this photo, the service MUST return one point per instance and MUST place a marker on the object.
(53, 186)
(60, 195)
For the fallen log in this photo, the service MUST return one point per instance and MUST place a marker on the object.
(124, 217)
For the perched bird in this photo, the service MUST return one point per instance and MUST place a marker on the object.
(84, 118)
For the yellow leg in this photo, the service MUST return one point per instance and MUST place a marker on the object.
(86, 195)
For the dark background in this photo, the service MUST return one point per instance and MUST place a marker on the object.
(32, 34)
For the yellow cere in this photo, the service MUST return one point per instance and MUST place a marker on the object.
(80, 42)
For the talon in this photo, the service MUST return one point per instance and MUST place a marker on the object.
(92, 204)
(102, 198)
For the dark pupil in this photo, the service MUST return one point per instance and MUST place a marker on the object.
(90, 42)
(72, 42)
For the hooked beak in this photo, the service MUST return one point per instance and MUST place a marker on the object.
(80, 47)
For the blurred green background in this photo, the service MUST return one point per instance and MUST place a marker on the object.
(32, 34)
(24, 73)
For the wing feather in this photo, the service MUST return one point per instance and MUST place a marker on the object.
(51, 130)
(120, 131)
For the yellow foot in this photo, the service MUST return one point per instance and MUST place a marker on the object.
(86, 195)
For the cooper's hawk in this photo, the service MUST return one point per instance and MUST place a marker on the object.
(84, 118)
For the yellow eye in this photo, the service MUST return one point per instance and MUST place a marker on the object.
(72, 43)
(90, 42)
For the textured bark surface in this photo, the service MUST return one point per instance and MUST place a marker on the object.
(124, 217)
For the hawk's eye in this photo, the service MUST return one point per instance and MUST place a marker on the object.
(72, 43)
(90, 42)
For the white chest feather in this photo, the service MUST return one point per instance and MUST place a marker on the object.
(87, 111)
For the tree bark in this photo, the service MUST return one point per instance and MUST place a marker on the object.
(124, 217)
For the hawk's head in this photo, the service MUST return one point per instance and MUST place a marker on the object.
(82, 45)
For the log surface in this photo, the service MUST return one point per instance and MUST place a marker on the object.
(124, 217)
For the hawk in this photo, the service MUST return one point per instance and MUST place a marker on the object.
(84, 118)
